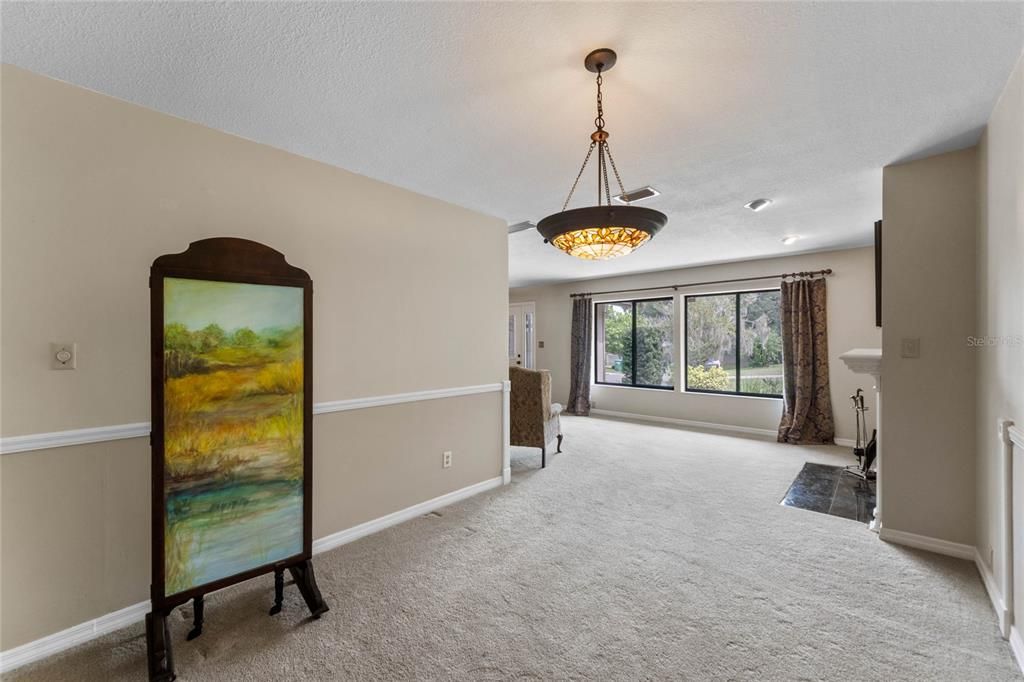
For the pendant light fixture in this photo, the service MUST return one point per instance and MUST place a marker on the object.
(603, 231)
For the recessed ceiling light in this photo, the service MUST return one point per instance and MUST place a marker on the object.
(758, 204)
(790, 238)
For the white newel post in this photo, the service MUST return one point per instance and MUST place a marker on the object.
(869, 361)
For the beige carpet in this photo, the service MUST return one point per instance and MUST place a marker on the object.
(641, 552)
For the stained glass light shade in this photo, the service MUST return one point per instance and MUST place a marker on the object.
(601, 243)
(601, 232)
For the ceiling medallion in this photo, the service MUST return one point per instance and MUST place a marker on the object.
(603, 231)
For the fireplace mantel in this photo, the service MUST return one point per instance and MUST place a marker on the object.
(864, 361)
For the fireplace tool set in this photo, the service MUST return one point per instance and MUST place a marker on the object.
(864, 450)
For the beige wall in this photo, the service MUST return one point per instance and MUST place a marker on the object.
(93, 190)
(75, 521)
(1000, 376)
(851, 325)
(929, 209)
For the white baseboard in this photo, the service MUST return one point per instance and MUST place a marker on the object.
(83, 632)
(1017, 646)
(748, 430)
(712, 426)
(348, 535)
(998, 605)
(970, 552)
(73, 636)
(953, 549)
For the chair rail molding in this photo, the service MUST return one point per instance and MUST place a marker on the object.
(60, 439)
(57, 439)
(1015, 434)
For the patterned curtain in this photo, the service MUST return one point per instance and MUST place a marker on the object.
(807, 417)
(579, 360)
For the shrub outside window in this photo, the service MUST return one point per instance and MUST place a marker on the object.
(733, 343)
(633, 343)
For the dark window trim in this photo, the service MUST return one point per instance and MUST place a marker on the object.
(632, 303)
(686, 345)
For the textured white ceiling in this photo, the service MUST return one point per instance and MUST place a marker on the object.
(487, 105)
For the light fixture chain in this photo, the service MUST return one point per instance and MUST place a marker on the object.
(604, 168)
(600, 232)
(615, 170)
(579, 175)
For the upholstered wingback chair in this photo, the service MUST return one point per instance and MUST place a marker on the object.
(534, 417)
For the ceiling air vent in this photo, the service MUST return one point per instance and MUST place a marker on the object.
(758, 204)
(519, 227)
(636, 195)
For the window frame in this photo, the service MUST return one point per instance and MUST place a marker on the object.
(632, 303)
(739, 331)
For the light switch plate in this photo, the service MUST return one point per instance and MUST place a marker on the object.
(63, 355)
(910, 348)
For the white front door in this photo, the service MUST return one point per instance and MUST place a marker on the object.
(522, 335)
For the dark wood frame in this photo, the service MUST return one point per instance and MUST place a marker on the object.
(739, 330)
(878, 273)
(632, 303)
(224, 259)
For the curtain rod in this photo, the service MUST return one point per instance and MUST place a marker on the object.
(805, 273)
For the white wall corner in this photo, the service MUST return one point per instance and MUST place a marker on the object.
(1006, 550)
(506, 432)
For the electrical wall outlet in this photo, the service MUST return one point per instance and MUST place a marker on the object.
(446, 459)
(63, 355)
(910, 348)
(540, 344)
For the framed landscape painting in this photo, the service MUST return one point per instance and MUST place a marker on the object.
(231, 334)
(233, 441)
(231, 417)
